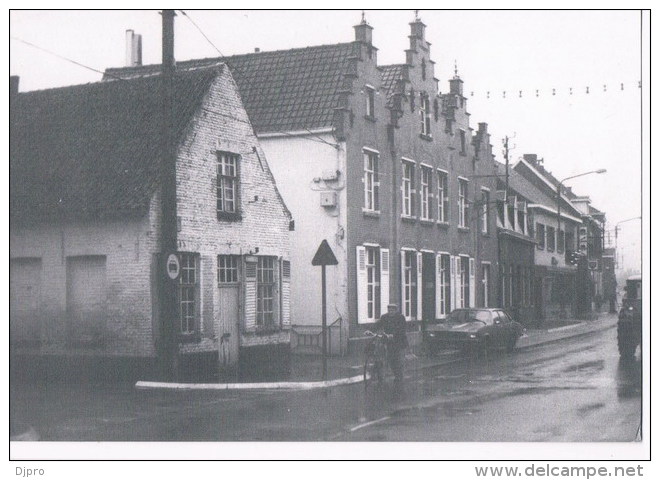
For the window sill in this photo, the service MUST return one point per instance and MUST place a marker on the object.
(443, 224)
(463, 229)
(426, 137)
(370, 118)
(408, 218)
(370, 213)
(485, 234)
(190, 338)
(229, 217)
(265, 330)
(426, 221)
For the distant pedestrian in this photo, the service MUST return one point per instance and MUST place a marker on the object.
(393, 323)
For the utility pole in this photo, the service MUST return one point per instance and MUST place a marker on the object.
(168, 271)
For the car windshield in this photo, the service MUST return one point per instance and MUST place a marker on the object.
(464, 316)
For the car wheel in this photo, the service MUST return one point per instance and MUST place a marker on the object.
(484, 347)
(511, 343)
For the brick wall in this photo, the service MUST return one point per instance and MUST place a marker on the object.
(221, 124)
(128, 247)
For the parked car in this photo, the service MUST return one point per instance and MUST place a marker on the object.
(474, 330)
(629, 326)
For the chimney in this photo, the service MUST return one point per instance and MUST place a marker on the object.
(417, 29)
(133, 49)
(456, 86)
(13, 85)
(531, 158)
(363, 32)
(257, 49)
(483, 127)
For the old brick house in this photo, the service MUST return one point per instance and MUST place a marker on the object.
(86, 187)
(375, 160)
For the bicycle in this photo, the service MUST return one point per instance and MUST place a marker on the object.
(375, 357)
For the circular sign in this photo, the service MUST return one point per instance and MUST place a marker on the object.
(172, 266)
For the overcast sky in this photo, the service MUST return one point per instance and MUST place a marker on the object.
(495, 52)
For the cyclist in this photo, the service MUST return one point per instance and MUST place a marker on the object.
(393, 323)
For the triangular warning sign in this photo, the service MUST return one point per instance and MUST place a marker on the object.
(324, 255)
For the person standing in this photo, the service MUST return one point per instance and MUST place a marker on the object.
(393, 323)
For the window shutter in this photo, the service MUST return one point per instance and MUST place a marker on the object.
(250, 294)
(285, 293)
(472, 284)
(361, 265)
(384, 279)
(420, 286)
(402, 307)
(455, 282)
(438, 286)
(451, 299)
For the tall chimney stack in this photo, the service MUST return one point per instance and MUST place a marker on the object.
(133, 49)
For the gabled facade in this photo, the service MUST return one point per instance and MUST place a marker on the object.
(86, 177)
(375, 160)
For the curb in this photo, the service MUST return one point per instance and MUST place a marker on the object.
(293, 386)
(142, 385)
(565, 327)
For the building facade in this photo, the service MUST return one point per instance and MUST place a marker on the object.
(374, 159)
(86, 224)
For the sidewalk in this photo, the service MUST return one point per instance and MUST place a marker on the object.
(307, 370)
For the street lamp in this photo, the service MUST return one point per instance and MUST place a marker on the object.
(559, 185)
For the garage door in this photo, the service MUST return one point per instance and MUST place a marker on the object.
(24, 300)
(86, 295)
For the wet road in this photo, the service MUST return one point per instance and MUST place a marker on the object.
(572, 390)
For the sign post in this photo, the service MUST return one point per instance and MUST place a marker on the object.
(324, 256)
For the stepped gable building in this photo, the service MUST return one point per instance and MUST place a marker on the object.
(86, 176)
(375, 160)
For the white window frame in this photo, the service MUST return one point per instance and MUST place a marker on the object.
(407, 188)
(227, 182)
(267, 293)
(425, 114)
(444, 284)
(372, 266)
(485, 199)
(463, 202)
(464, 282)
(229, 272)
(425, 194)
(370, 105)
(371, 180)
(443, 196)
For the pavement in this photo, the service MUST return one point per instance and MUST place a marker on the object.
(307, 371)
